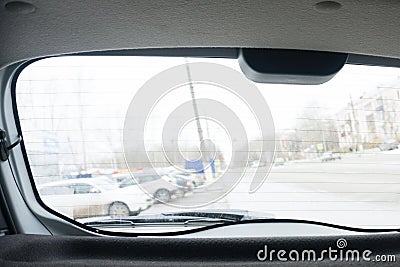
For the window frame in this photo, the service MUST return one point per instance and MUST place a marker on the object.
(50, 221)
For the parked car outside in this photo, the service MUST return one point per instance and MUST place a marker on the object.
(119, 177)
(327, 156)
(336, 155)
(197, 179)
(88, 197)
(257, 163)
(154, 184)
(185, 183)
(389, 144)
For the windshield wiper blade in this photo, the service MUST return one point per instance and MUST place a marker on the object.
(111, 223)
(206, 221)
(231, 215)
(140, 222)
(196, 217)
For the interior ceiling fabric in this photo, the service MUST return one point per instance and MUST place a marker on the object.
(369, 27)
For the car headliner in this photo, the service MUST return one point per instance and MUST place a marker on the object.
(368, 27)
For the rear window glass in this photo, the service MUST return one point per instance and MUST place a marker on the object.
(328, 152)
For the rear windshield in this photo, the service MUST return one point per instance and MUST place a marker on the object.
(327, 153)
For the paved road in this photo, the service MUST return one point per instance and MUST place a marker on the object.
(359, 190)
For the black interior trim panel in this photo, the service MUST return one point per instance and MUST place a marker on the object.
(35, 250)
(6, 224)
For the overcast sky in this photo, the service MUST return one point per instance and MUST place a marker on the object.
(111, 82)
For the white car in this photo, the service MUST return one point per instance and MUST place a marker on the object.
(197, 179)
(157, 186)
(257, 163)
(88, 197)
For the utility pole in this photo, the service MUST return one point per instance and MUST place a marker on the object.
(323, 129)
(194, 103)
(383, 110)
(356, 128)
(196, 111)
(85, 163)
